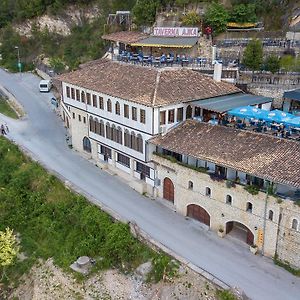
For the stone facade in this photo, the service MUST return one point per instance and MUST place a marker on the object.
(264, 227)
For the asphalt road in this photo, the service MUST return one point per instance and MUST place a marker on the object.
(43, 134)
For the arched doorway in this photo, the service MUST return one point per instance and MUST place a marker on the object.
(198, 213)
(168, 189)
(240, 231)
(87, 144)
(189, 112)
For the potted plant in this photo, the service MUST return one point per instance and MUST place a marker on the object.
(221, 232)
(253, 248)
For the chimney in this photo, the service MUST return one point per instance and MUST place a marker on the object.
(217, 71)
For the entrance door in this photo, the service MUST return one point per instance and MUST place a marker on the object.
(240, 231)
(168, 189)
(198, 213)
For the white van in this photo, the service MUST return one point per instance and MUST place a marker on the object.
(45, 86)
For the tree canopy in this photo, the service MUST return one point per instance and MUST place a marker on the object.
(253, 55)
(144, 11)
(272, 64)
(217, 17)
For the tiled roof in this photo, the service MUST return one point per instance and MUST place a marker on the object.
(144, 85)
(125, 37)
(260, 155)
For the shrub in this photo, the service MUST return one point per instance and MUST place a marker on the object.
(225, 295)
(252, 189)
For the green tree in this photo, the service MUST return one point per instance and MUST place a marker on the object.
(191, 18)
(217, 17)
(272, 64)
(144, 12)
(287, 63)
(253, 55)
(243, 13)
(8, 249)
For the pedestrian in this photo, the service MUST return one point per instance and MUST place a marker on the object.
(3, 132)
(6, 127)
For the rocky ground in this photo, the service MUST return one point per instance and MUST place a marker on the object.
(48, 282)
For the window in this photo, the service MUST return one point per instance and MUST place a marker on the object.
(134, 113)
(271, 214)
(124, 160)
(92, 125)
(105, 151)
(94, 100)
(191, 185)
(162, 118)
(77, 95)
(171, 114)
(180, 114)
(101, 103)
(79, 118)
(139, 143)
(143, 116)
(84, 120)
(88, 98)
(108, 131)
(249, 207)
(126, 111)
(133, 141)
(82, 97)
(143, 169)
(228, 199)
(97, 126)
(113, 133)
(72, 93)
(117, 108)
(109, 105)
(295, 224)
(73, 115)
(102, 128)
(86, 145)
(127, 138)
(119, 135)
(208, 191)
(68, 91)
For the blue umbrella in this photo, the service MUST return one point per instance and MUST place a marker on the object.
(295, 122)
(246, 112)
(276, 115)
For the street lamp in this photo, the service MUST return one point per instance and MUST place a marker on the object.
(19, 60)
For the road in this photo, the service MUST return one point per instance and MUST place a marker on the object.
(43, 134)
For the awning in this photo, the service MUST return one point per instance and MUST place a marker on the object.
(167, 42)
(293, 95)
(228, 102)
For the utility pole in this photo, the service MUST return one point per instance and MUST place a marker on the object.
(19, 60)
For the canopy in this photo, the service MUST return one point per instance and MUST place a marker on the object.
(295, 122)
(247, 112)
(276, 115)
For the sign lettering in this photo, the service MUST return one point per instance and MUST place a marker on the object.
(175, 31)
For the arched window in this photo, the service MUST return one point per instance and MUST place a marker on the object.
(228, 199)
(117, 107)
(139, 143)
(249, 207)
(97, 126)
(113, 133)
(102, 128)
(208, 191)
(107, 129)
(119, 135)
(133, 141)
(189, 112)
(109, 105)
(295, 224)
(82, 96)
(86, 144)
(127, 138)
(191, 185)
(271, 214)
(92, 124)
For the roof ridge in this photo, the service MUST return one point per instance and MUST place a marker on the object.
(156, 87)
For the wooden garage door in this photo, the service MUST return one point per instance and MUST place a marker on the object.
(168, 189)
(198, 213)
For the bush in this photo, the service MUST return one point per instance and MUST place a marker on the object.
(191, 18)
(252, 189)
(225, 295)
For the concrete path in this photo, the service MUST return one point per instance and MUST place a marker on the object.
(42, 133)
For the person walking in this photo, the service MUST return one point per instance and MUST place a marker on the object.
(6, 127)
(2, 129)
